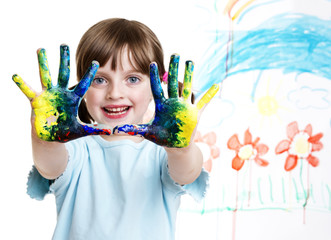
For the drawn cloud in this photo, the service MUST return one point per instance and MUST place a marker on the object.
(306, 97)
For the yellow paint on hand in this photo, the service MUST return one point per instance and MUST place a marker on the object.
(188, 80)
(24, 88)
(190, 119)
(44, 111)
(208, 96)
(44, 70)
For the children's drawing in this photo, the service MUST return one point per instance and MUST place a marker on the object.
(286, 41)
(272, 61)
(249, 150)
(299, 145)
(207, 143)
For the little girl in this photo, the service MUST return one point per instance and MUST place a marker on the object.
(125, 185)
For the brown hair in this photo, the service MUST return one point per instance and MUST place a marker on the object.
(107, 39)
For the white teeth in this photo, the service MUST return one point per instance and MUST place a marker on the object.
(116, 111)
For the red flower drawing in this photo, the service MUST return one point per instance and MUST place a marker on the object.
(209, 149)
(249, 150)
(299, 145)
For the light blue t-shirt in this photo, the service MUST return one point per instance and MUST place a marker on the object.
(117, 190)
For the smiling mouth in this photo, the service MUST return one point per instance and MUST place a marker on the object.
(116, 111)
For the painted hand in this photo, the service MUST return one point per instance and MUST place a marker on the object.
(175, 118)
(55, 109)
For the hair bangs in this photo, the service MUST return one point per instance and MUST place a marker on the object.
(138, 50)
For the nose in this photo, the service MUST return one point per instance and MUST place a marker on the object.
(115, 91)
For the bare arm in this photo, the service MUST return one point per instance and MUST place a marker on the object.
(50, 158)
(184, 164)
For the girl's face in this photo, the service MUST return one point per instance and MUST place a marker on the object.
(119, 97)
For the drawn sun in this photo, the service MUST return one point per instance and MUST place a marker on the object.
(268, 104)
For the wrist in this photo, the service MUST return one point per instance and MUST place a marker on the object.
(178, 149)
(184, 164)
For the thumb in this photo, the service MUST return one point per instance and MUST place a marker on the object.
(138, 129)
(29, 92)
(96, 129)
(208, 96)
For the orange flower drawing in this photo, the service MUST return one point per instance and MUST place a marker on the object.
(250, 150)
(299, 145)
(209, 149)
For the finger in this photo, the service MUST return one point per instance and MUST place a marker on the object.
(64, 71)
(45, 75)
(139, 129)
(96, 129)
(24, 87)
(156, 84)
(87, 79)
(208, 96)
(186, 93)
(173, 76)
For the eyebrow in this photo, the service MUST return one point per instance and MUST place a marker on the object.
(133, 71)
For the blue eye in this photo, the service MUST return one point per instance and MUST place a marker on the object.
(99, 81)
(133, 79)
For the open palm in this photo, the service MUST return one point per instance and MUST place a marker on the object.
(175, 118)
(55, 109)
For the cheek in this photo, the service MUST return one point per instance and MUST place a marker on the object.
(145, 99)
(142, 104)
(149, 94)
(143, 95)
(91, 98)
